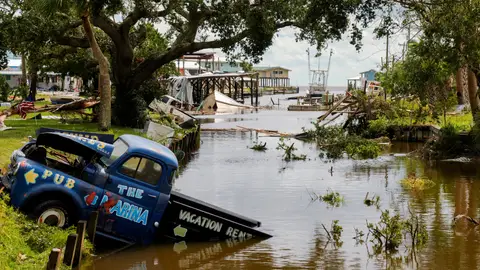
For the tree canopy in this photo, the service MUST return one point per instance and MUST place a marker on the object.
(243, 29)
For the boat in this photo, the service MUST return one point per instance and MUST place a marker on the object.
(317, 86)
(220, 103)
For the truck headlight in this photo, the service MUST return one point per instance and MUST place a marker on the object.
(15, 155)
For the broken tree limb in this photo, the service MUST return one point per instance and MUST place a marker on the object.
(331, 120)
(321, 118)
(475, 222)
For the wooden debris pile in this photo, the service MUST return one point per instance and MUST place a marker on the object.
(76, 106)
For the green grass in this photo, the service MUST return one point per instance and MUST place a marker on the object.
(25, 244)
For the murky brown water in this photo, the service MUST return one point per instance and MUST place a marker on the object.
(261, 186)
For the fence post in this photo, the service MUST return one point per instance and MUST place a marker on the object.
(81, 228)
(92, 226)
(54, 259)
(70, 249)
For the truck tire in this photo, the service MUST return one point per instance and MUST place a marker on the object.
(53, 213)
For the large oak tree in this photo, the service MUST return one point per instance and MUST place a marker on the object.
(242, 28)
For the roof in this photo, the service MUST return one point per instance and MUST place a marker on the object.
(188, 65)
(219, 75)
(12, 62)
(354, 78)
(11, 72)
(80, 146)
(368, 71)
(269, 68)
(145, 146)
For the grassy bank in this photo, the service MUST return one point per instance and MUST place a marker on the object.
(25, 244)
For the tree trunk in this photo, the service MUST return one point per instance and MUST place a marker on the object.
(24, 72)
(459, 82)
(33, 74)
(127, 97)
(63, 82)
(105, 114)
(472, 92)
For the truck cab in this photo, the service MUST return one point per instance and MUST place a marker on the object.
(60, 178)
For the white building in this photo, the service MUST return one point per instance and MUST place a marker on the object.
(13, 75)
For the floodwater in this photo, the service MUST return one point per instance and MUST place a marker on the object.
(225, 172)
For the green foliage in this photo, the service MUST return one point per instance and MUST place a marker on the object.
(387, 233)
(416, 229)
(259, 147)
(335, 233)
(378, 127)
(26, 245)
(289, 150)
(152, 89)
(246, 66)
(332, 198)
(335, 142)
(391, 231)
(360, 148)
(417, 183)
(152, 45)
(359, 234)
(373, 201)
(5, 90)
(21, 91)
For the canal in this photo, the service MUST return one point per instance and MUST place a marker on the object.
(225, 172)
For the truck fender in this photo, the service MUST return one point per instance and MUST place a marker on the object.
(45, 192)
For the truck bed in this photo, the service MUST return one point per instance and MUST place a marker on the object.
(186, 218)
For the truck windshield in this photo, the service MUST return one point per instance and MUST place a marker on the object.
(120, 147)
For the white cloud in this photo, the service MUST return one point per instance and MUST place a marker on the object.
(346, 62)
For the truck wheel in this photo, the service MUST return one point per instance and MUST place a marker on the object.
(53, 213)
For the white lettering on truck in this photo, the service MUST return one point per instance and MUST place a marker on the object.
(201, 221)
(236, 233)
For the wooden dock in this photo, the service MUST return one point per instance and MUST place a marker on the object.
(311, 108)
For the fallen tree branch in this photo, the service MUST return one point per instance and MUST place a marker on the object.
(475, 222)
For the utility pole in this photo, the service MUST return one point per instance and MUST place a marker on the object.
(386, 63)
(408, 33)
(387, 56)
(309, 77)
(328, 69)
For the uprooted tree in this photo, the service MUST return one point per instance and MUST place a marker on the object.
(243, 29)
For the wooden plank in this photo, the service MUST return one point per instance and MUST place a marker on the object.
(54, 259)
(70, 249)
(92, 226)
(81, 229)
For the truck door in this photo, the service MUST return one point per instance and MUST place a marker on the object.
(131, 194)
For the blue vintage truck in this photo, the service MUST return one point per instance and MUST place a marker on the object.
(59, 178)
